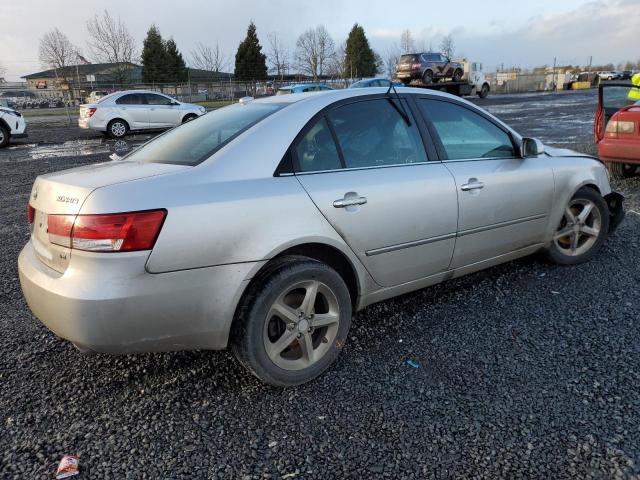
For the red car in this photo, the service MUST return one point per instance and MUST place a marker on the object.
(617, 129)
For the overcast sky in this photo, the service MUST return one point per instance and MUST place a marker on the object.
(495, 32)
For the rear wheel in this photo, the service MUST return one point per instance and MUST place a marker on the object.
(117, 128)
(293, 322)
(427, 77)
(582, 230)
(457, 75)
(622, 170)
(4, 136)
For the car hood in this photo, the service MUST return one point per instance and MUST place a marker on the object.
(564, 152)
(7, 110)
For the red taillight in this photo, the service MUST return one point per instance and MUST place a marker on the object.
(31, 213)
(114, 232)
(91, 111)
(415, 66)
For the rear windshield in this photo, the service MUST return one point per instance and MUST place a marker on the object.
(284, 91)
(409, 58)
(195, 141)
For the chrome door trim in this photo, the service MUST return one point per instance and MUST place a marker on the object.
(448, 236)
(415, 243)
(508, 223)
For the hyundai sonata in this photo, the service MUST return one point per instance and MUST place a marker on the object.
(263, 225)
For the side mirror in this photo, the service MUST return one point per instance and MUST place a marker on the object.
(531, 147)
(174, 104)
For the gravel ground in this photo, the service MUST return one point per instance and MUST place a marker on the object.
(526, 370)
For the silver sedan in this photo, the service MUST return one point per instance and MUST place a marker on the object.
(262, 226)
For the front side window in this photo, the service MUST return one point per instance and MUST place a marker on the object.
(154, 99)
(373, 133)
(317, 151)
(465, 134)
(131, 99)
(193, 142)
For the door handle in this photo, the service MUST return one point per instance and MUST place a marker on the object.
(349, 202)
(473, 184)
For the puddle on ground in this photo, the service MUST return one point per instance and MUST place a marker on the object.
(70, 148)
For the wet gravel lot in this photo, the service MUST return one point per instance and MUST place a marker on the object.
(526, 370)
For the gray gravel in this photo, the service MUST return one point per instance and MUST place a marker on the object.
(527, 370)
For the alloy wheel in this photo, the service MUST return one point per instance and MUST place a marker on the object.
(118, 129)
(579, 229)
(301, 325)
(1, 136)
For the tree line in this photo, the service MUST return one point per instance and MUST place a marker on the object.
(315, 54)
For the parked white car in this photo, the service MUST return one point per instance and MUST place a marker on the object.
(122, 112)
(12, 125)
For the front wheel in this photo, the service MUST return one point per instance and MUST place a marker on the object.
(4, 137)
(582, 230)
(621, 170)
(189, 117)
(457, 75)
(293, 322)
(484, 91)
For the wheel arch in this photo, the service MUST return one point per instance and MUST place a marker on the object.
(323, 252)
(4, 124)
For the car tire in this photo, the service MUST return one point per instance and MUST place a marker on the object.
(4, 136)
(457, 75)
(427, 77)
(117, 128)
(484, 91)
(189, 117)
(285, 349)
(621, 170)
(582, 230)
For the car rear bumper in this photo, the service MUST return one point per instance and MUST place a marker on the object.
(113, 305)
(619, 150)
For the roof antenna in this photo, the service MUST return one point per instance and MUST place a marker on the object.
(401, 111)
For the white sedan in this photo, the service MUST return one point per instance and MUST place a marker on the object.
(133, 110)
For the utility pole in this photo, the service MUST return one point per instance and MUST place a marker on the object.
(554, 74)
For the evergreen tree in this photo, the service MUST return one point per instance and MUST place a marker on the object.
(176, 69)
(154, 57)
(360, 59)
(251, 63)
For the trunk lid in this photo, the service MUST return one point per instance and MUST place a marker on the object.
(405, 64)
(63, 193)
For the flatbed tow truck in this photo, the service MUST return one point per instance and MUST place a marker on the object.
(473, 83)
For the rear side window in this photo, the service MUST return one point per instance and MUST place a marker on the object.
(317, 151)
(155, 99)
(372, 133)
(131, 99)
(194, 142)
(465, 134)
(409, 58)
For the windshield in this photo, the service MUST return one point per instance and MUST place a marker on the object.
(195, 141)
(107, 97)
(614, 98)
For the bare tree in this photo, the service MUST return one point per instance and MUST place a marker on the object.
(3, 70)
(110, 42)
(337, 65)
(314, 50)
(391, 59)
(56, 50)
(209, 58)
(448, 46)
(278, 55)
(407, 44)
